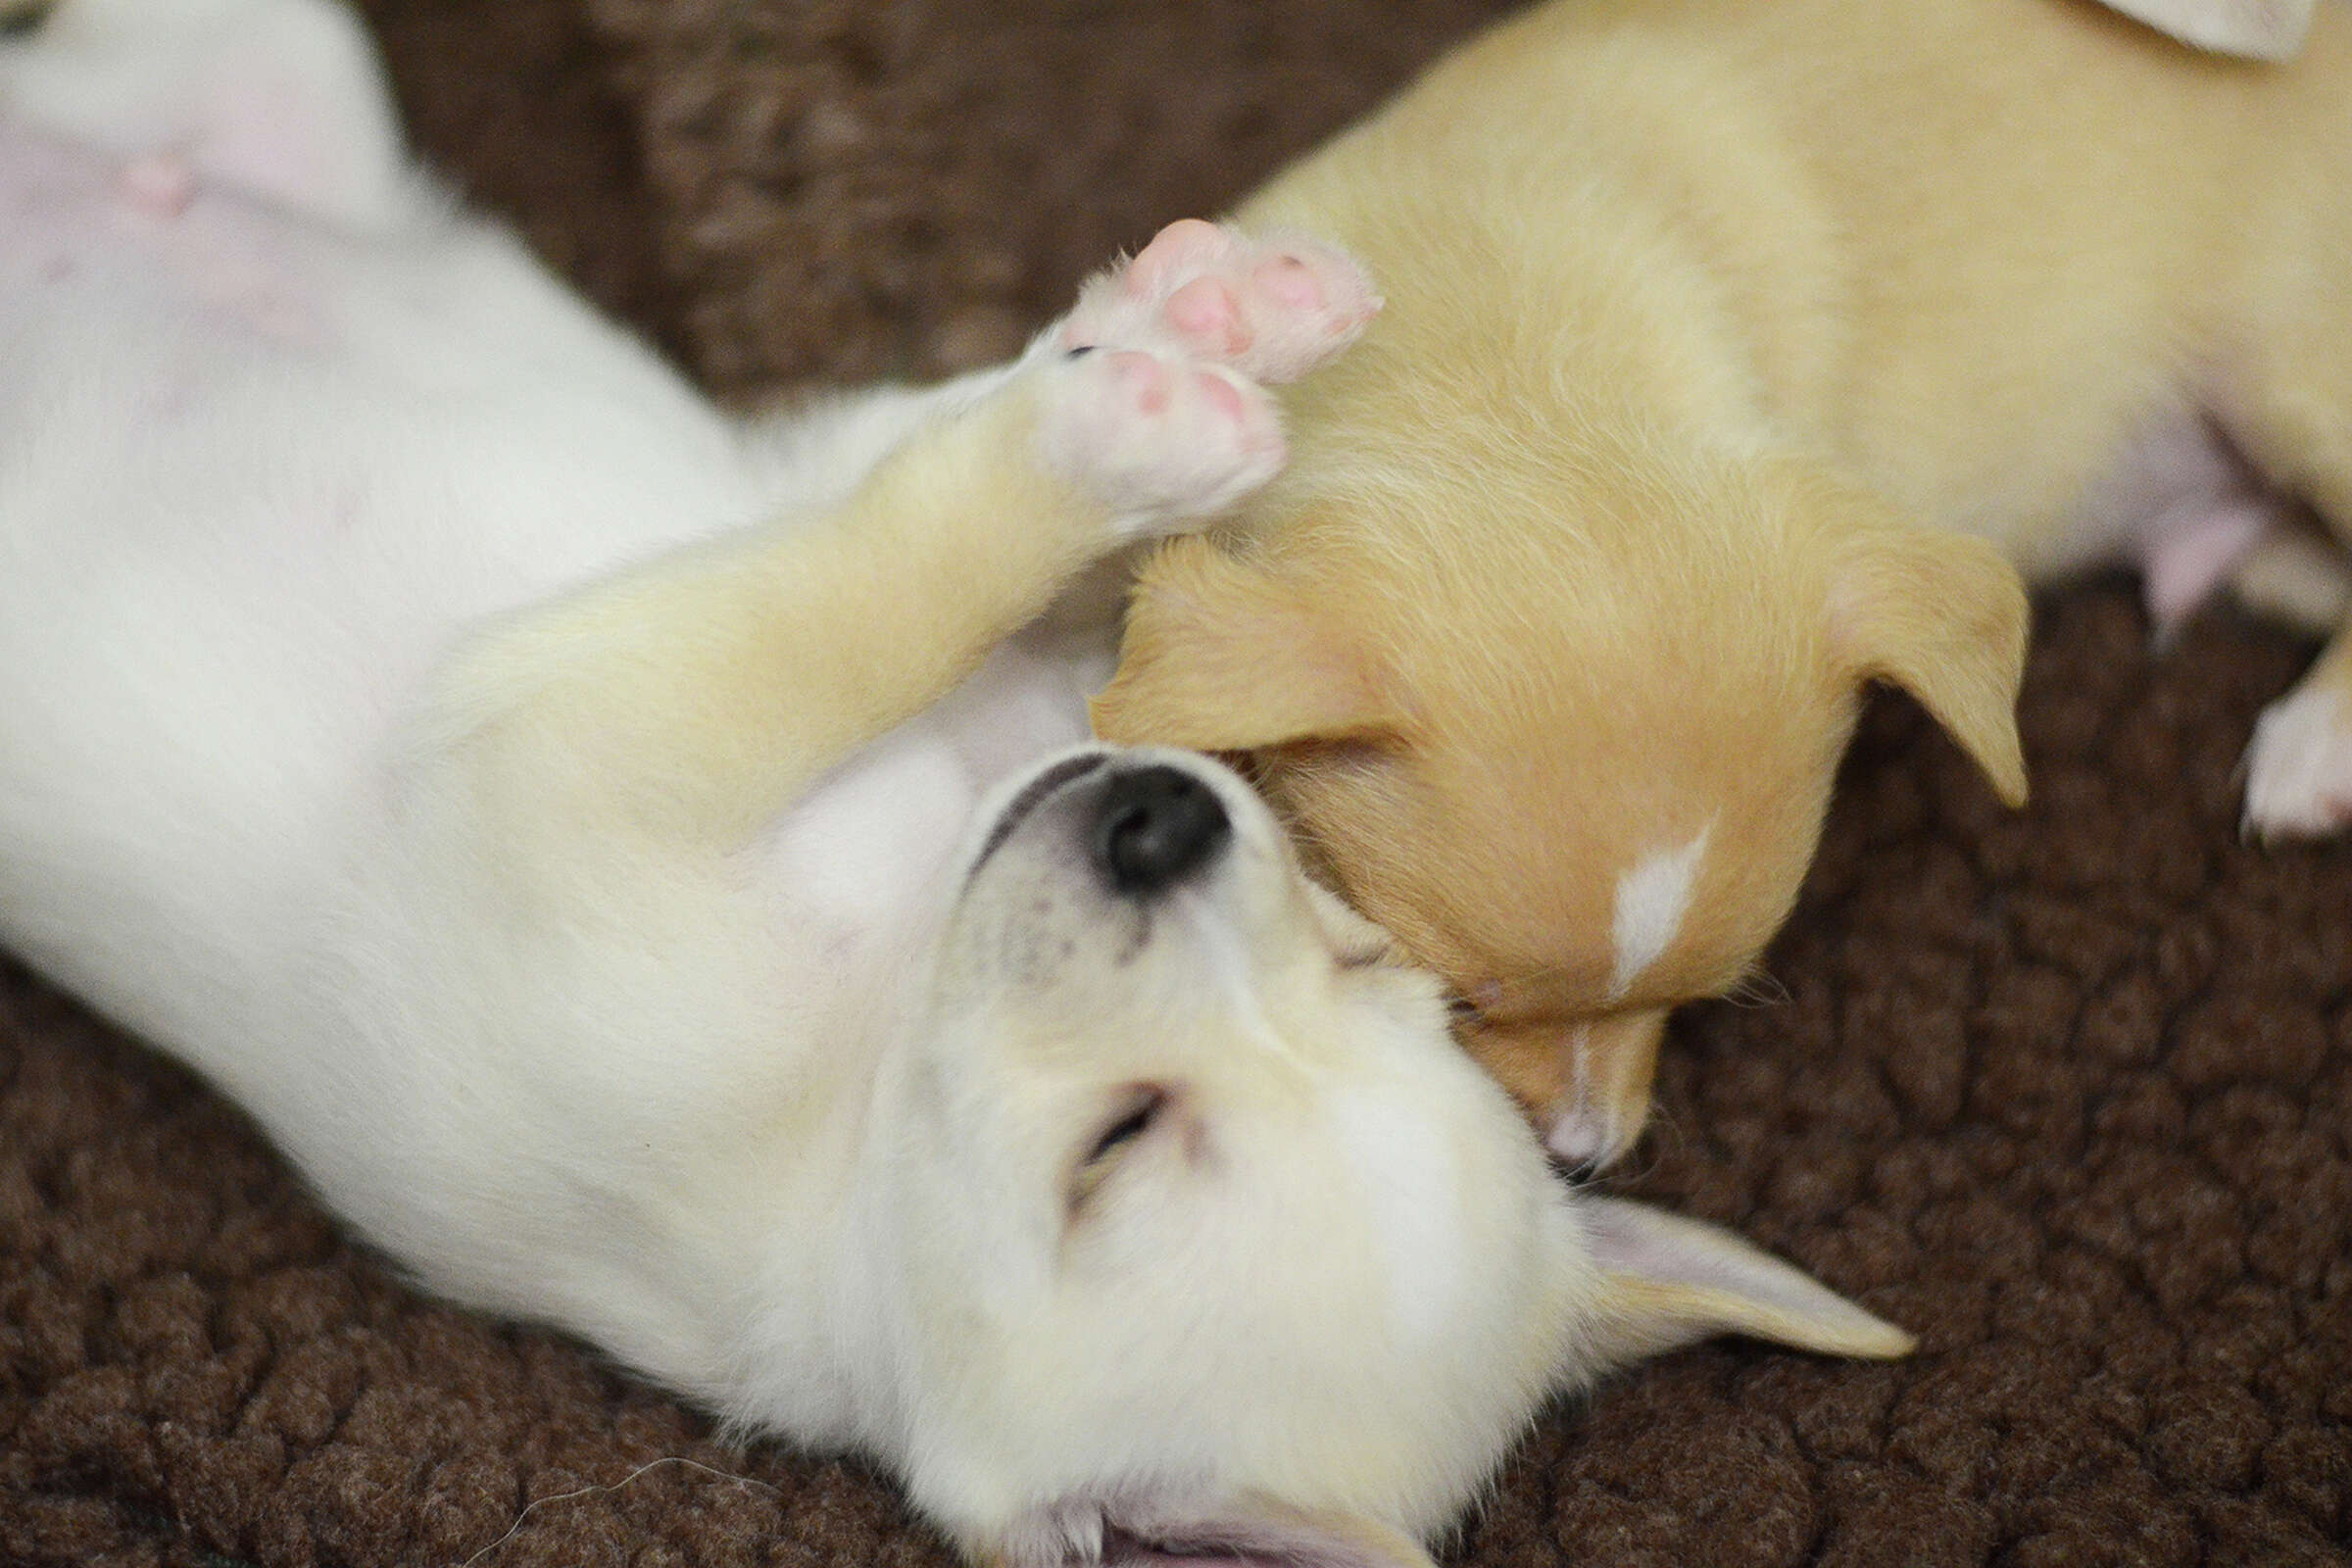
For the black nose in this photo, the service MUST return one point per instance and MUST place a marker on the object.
(1154, 825)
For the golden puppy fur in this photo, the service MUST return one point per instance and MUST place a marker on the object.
(1733, 353)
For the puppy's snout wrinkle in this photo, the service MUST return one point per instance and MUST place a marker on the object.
(1155, 825)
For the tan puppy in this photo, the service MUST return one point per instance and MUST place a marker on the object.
(1725, 343)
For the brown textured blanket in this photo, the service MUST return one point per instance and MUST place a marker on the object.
(2068, 1091)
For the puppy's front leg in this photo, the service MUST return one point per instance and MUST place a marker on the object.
(693, 698)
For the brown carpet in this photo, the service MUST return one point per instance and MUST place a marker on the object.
(2068, 1091)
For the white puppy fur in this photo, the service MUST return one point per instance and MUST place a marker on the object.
(650, 874)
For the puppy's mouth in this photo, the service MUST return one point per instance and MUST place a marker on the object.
(1033, 795)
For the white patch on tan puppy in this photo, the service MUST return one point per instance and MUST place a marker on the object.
(1651, 898)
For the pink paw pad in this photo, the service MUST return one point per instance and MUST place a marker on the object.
(1152, 389)
(1180, 249)
(1161, 440)
(1207, 318)
(1140, 380)
(1271, 308)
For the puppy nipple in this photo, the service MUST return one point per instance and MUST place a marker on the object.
(159, 184)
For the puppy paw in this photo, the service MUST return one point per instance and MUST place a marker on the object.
(2299, 767)
(1272, 308)
(1163, 441)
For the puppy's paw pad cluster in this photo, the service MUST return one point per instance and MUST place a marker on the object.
(1271, 308)
(1160, 439)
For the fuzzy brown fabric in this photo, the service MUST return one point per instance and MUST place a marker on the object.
(2068, 1091)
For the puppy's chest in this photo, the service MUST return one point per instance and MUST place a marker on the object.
(852, 874)
(72, 219)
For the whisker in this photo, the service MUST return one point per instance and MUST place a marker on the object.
(1758, 987)
(537, 1504)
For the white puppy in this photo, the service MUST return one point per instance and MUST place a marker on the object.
(647, 871)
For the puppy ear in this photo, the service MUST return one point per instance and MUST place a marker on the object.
(1221, 655)
(1942, 616)
(2261, 30)
(1667, 1280)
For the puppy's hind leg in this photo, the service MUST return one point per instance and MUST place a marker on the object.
(2299, 767)
(279, 99)
(2284, 375)
(2299, 764)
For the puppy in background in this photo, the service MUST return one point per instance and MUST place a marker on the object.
(1736, 357)
(650, 875)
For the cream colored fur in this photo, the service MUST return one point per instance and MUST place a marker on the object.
(1734, 354)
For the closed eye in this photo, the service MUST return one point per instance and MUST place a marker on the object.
(1136, 1110)
(1480, 1004)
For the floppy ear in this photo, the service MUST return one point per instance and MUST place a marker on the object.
(1668, 1280)
(2261, 29)
(1942, 616)
(1221, 655)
